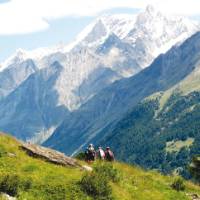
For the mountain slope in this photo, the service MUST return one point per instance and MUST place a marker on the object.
(14, 75)
(163, 138)
(163, 129)
(107, 107)
(35, 113)
(71, 85)
(35, 178)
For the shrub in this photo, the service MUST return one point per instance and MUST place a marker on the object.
(194, 168)
(107, 170)
(80, 156)
(10, 184)
(178, 184)
(75, 192)
(55, 192)
(30, 168)
(2, 151)
(26, 184)
(97, 186)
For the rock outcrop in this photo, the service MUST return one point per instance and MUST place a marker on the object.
(194, 196)
(50, 155)
(7, 197)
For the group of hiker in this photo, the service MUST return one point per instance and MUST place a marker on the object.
(91, 154)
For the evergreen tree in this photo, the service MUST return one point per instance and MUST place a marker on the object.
(195, 168)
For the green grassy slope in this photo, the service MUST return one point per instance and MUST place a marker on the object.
(43, 175)
(40, 180)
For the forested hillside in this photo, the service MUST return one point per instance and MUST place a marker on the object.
(165, 137)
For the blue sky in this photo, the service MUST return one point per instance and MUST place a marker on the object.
(31, 24)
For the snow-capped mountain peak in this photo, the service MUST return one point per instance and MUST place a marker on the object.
(156, 33)
(19, 56)
(150, 8)
(150, 32)
(21, 53)
(150, 28)
(100, 29)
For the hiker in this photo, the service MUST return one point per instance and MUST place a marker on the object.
(87, 154)
(90, 153)
(109, 155)
(100, 153)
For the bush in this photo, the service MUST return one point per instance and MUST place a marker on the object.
(30, 168)
(55, 192)
(178, 184)
(107, 170)
(75, 192)
(194, 168)
(80, 156)
(9, 184)
(97, 186)
(26, 184)
(2, 151)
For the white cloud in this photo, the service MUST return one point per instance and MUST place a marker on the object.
(24, 16)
